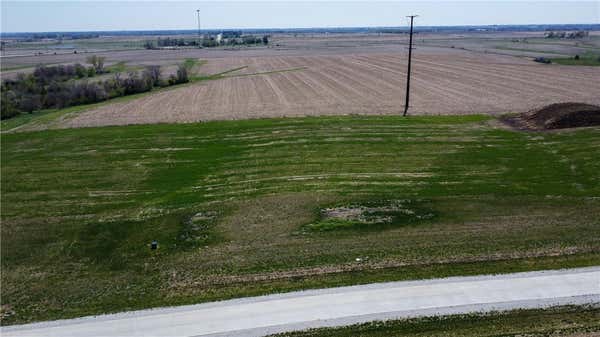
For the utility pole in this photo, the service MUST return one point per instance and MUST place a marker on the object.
(410, 48)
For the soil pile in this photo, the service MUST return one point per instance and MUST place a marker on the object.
(557, 116)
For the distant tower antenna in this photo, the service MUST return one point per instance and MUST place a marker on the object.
(410, 48)
(198, 14)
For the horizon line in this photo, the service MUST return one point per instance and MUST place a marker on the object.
(297, 28)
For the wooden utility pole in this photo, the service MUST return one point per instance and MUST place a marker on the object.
(410, 48)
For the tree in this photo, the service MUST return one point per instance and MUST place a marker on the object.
(30, 103)
(249, 39)
(56, 96)
(93, 59)
(265, 39)
(80, 71)
(114, 86)
(97, 62)
(100, 65)
(8, 108)
(209, 43)
(182, 74)
(153, 72)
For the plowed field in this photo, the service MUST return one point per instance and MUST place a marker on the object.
(454, 83)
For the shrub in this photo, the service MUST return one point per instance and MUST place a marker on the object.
(80, 71)
(30, 103)
(9, 107)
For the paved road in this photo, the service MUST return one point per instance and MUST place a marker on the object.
(258, 316)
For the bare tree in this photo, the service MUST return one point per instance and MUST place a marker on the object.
(97, 62)
(182, 74)
(153, 72)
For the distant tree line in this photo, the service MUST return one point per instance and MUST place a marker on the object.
(227, 39)
(169, 42)
(229, 34)
(567, 35)
(72, 36)
(68, 85)
(399, 30)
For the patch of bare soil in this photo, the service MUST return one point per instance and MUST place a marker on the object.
(6, 311)
(557, 116)
(367, 215)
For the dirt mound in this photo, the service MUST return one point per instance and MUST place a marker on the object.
(557, 116)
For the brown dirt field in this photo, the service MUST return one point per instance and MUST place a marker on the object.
(365, 83)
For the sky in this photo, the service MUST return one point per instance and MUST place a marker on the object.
(42, 16)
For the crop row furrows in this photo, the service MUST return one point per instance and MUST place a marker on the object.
(452, 85)
(476, 74)
(505, 76)
(523, 72)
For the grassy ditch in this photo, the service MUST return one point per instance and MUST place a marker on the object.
(231, 203)
(557, 321)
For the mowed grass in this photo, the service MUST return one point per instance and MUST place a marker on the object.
(229, 204)
(557, 321)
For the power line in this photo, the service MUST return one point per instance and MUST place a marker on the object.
(410, 48)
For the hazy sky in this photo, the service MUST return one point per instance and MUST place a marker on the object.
(30, 16)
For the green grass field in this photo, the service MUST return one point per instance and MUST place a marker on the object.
(558, 321)
(589, 58)
(231, 204)
(584, 61)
